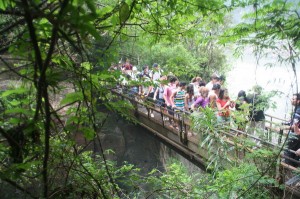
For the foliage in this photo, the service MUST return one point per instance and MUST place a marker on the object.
(270, 28)
(184, 58)
(60, 51)
(51, 47)
(212, 139)
(224, 153)
(176, 182)
(236, 182)
(241, 117)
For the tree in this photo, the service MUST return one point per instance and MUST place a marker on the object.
(47, 45)
(271, 28)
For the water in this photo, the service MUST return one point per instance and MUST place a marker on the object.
(246, 72)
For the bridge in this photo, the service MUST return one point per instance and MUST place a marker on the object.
(197, 146)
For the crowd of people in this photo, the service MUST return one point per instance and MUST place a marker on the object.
(177, 97)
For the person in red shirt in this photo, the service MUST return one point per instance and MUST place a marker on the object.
(224, 104)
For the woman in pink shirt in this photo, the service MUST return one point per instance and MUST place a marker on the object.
(168, 93)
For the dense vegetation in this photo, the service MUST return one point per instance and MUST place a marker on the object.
(64, 48)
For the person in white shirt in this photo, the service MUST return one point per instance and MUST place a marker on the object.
(156, 73)
(213, 80)
(195, 82)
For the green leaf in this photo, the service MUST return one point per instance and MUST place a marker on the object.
(17, 111)
(91, 5)
(86, 65)
(114, 20)
(14, 121)
(3, 4)
(88, 133)
(14, 102)
(15, 91)
(90, 28)
(72, 97)
(124, 12)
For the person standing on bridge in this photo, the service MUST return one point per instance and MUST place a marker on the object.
(127, 67)
(189, 98)
(156, 73)
(203, 100)
(146, 86)
(242, 111)
(224, 104)
(257, 114)
(167, 95)
(195, 82)
(213, 95)
(214, 79)
(177, 97)
(159, 92)
(293, 140)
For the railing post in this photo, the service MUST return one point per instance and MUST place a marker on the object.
(280, 136)
(270, 130)
(148, 111)
(185, 131)
(182, 133)
(180, 128)
(162, 116)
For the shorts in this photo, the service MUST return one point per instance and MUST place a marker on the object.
(160, 102)
(170, 110)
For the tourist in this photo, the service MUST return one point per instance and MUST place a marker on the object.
(224, 104)
(127, 67)
(159, 92)
(134, 73)
(214, 79)
(189, 98)
(177, 99)
(293, 142)
(167, 95)
(242, 108)
(156, 73)
(257, 115)
(195, 82)
(213, 95)
(178, 96)
(203, 100)
(202, 83)
(146, 86)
